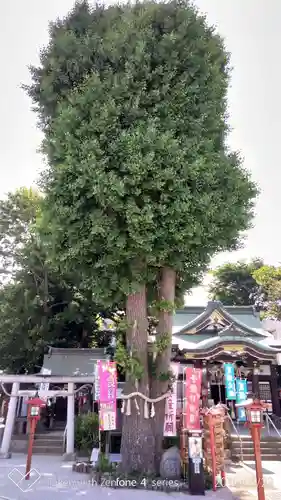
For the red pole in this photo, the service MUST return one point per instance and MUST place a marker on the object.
(257, 449)
(213, 452)
(33, 423)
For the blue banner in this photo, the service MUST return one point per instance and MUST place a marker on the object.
(242, 391)
(229, 376)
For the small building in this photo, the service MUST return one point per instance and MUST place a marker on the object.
(79, 362)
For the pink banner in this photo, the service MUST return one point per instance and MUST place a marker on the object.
(170, 422)
(107, 395)
(107, 381)
(193, 382)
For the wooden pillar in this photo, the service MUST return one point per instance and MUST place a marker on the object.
(274, 390)
(255, 380)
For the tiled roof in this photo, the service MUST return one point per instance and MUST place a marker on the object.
(63, 362)
(243, 315)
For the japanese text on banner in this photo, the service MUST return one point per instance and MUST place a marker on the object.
(44, 386)
(170, 422)
(193, 382)
(242, 391)
(107, 381)
(107, 395)
(107, 417)
(229, 376)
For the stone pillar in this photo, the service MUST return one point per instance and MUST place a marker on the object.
(274, 390)
(9, 424)
(70, 453)
(255, 380)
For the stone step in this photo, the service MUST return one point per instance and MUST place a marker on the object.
(272, 446)
(250, 446)
(44, 448)
(273, 449)
(39, 437)
(50, 433)
(248, 439)
(48, 451)
(237, 453)
(45, 442)
(265, 457)
(50, 439)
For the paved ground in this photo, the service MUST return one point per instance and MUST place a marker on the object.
(52, 480)
(242, 480)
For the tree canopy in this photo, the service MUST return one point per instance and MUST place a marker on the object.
(234, 284)
(18, 215)
(268, 279)
(141, 188)
(137, 129)
(38, 306)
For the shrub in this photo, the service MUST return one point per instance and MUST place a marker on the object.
(104, 464)
(86, 432)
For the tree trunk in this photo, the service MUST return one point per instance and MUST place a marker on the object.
(166, 292)
(137, 447)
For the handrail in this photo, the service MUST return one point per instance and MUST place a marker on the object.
(276, 418)
(64, 439)
(239, 437)
(270, 421)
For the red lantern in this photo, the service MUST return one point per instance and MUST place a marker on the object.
(34, 407)
(254, 412)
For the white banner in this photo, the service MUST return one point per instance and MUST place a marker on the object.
(170, 421)
(97, 381)
(44, 387)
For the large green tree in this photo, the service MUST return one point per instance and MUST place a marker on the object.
(18, 212)
(234, 284)
(141, 189)
(269, 298)
(39, 307)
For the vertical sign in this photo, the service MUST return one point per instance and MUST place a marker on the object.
(241, 391)
(193, 382)
(108, 395)
(44, 386)
(97, 380)
(170, 422)
(229, 376)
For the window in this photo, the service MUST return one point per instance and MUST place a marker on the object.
(265, 391)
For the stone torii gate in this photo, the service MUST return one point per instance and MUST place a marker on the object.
(16, 380)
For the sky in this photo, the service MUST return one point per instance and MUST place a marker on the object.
(252, 35)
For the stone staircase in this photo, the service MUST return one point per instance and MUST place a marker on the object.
(46, 442)
(270, 448)
(49, 443)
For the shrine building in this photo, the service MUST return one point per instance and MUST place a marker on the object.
(209, 337)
